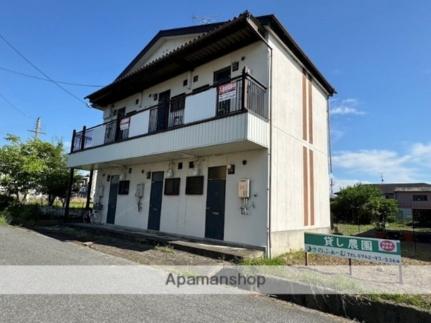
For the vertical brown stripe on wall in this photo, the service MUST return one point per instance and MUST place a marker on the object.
(305, 177)
(311, 187)
(310, 109)
(304, 105)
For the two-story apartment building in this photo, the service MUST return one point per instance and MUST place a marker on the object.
(216, 131)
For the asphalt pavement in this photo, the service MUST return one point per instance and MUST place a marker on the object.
(20, 246)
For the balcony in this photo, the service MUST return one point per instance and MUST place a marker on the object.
(210, 116)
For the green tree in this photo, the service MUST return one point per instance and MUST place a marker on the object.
(54, 178)
(20, 167)
(362, 204)
(33, 165)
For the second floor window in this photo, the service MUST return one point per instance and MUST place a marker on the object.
(176, 114)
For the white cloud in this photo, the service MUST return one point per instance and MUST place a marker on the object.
(345, 107)
(421, 153)
(342, 110)
(339, 183)
(336, 135)
(393, 166)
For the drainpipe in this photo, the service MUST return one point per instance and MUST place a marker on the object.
(268, 252)
(269, 155)
(329, 144)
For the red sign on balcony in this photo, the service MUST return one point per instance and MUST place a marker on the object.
(227, 91)
(124, 123)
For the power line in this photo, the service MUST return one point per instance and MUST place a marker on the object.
(40, 71)
(45, 79)
(14, 106)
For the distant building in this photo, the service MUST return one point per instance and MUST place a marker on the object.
(414, 198)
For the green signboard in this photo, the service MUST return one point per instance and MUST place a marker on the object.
(359, 248)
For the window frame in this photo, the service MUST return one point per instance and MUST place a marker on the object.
(176, 188)
(178, 102)
(123, 187)
(420, 198)
(188, 183)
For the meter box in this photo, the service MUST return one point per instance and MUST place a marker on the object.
(139, 193)
(244, 188)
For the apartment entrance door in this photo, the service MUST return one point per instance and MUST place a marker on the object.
(112, 202)
(215, 208)
(155, 201)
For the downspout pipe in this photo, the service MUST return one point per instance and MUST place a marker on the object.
(269, 155)
(268, 251)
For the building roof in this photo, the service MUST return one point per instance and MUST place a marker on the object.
(399, 187)
(214, 40)
(413, 189)
(198, 29)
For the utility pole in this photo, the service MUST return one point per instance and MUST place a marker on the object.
(37, 129)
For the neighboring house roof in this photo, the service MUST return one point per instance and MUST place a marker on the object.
(212, 40)
(392, 187)
(413, 189)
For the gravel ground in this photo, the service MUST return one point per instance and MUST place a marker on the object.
(139, 252)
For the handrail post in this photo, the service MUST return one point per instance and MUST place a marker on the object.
(243, 89)
(83, 137)
(73, 140)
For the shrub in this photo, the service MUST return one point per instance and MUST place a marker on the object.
(362, 204)
(22, 214)
(6, 201)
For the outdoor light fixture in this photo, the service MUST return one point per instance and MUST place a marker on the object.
(170, 171)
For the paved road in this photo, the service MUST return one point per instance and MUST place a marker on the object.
(23, 247)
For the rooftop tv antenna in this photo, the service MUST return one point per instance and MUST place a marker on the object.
(37, 129)
(381, 178)
(201, 20)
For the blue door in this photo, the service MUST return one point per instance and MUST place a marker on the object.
(112, 202)
(155, 201)
(216, 191)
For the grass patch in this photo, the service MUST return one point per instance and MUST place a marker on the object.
(420, 301)
(278, 261)
(353, 229)
(406, 227)
(165, 249)
(3, 220)
(338, 282)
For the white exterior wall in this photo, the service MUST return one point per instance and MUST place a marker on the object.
(162, 47)
(287, 189)
(255, 58)
(185, 214)
(242, 129)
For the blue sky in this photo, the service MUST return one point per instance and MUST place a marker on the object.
(376, 54)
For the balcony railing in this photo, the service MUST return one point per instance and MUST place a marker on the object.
(240, 94)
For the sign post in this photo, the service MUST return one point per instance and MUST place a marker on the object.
(352, 247)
